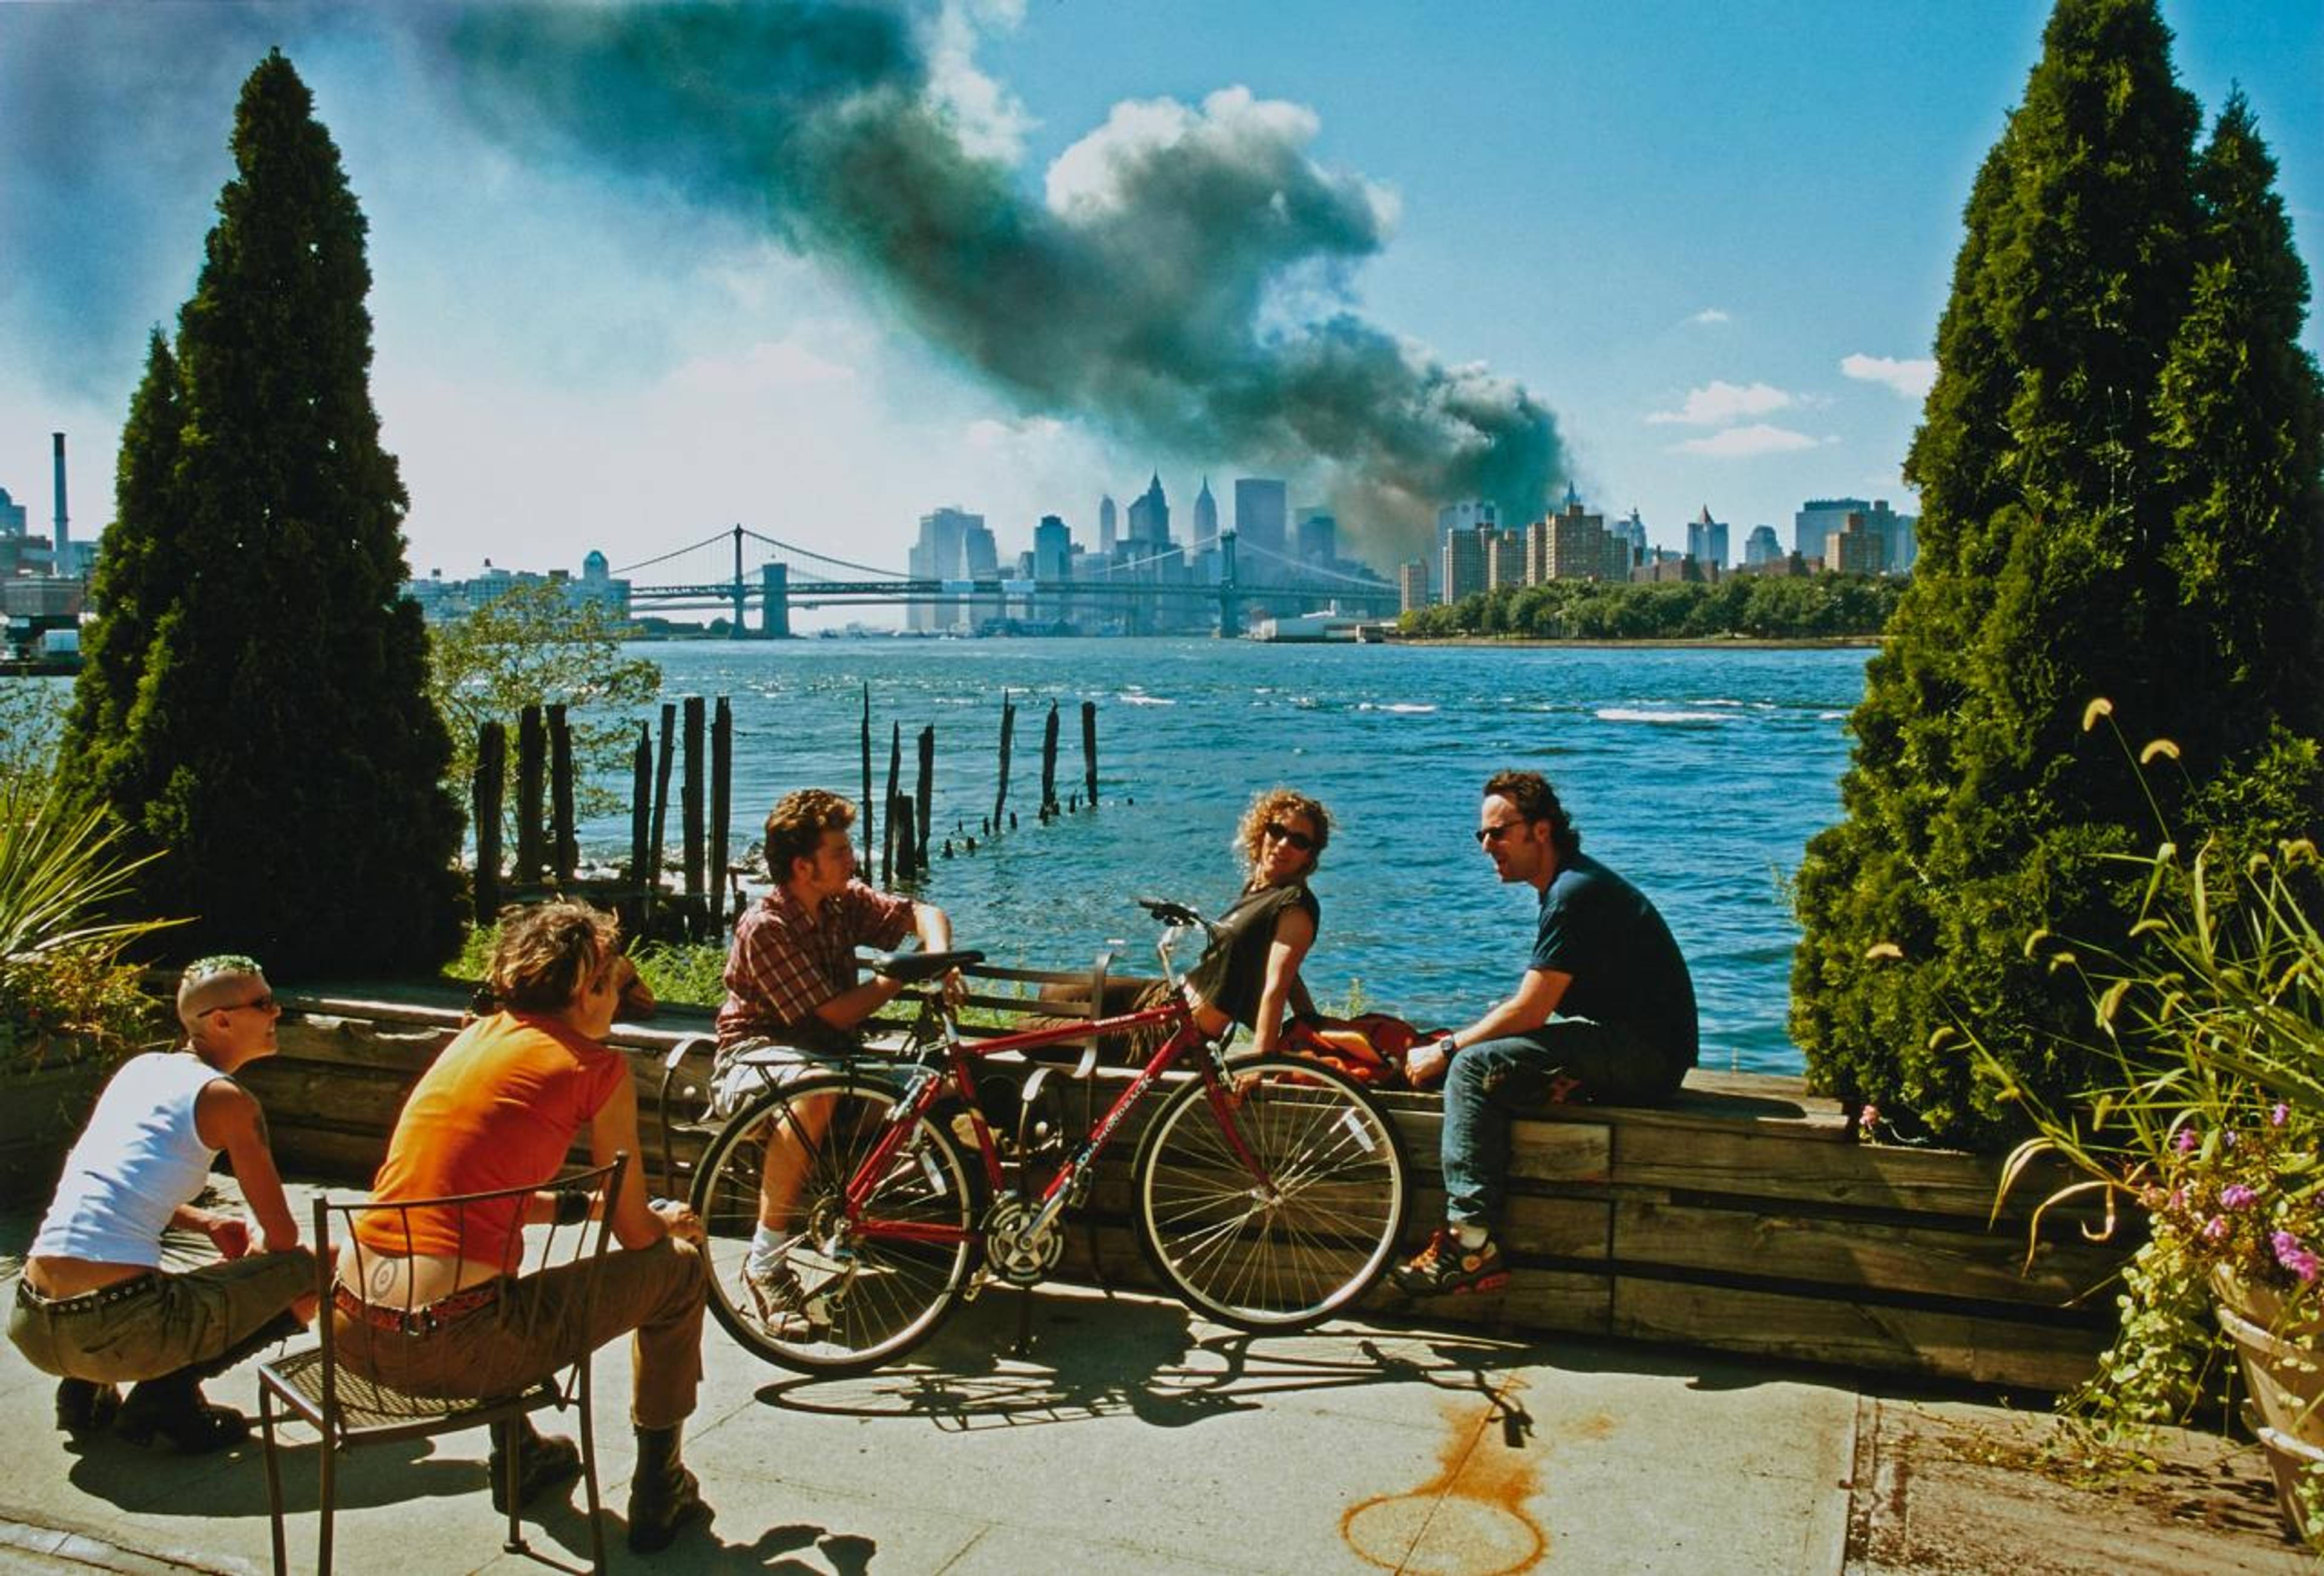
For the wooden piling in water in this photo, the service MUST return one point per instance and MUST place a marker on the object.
(928, 785)
(1049, 763)
(887, 844)
(1007, 728)
(900, 825)
(528, 750)
(721, 805)
(563, 853)
(491, 778)
(865, 802)
(1089, 752)
(662, 761)
(642, 857)
(690, 794)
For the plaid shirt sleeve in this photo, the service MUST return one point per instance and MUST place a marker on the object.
(772, 980)
(874, 919)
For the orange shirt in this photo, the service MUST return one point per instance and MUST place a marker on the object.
(499, 1108)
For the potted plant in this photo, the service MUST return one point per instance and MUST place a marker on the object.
(2210, 1021)
(70, 1006)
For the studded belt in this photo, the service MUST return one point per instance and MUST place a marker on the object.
(120, 1291)
(418, 1320)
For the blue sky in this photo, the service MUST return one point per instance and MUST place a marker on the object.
(1711, 241)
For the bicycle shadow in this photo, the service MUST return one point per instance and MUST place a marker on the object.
(1097, 1355)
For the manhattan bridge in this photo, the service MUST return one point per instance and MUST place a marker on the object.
(758, 580)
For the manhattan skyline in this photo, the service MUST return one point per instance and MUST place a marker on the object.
(1699, 257)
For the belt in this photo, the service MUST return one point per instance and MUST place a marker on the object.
(418, 1320)
(120, 1291)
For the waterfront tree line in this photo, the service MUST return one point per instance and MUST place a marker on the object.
(1760, 607)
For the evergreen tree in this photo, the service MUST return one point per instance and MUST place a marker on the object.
(2057, 535)
(255, 707)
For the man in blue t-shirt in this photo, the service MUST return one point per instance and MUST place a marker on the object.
(1605, 1013)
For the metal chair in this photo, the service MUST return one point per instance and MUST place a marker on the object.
(347, 1409)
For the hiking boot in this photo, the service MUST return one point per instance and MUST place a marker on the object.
(170, 1414)
(1444, 1266)
(663, 1494)
(543, 1463)
(776, 1292)
(84, 1407)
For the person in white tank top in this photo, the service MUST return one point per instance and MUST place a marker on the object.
(94, 1306)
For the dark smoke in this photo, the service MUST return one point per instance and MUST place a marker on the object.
(1160, 298)
(1184, 284)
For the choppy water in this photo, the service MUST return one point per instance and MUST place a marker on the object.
(1699, 774)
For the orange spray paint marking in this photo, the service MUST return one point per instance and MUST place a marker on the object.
(1470, 1519)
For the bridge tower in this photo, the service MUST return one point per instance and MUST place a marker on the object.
(775, 600)
(741, 594)
(1230, 591)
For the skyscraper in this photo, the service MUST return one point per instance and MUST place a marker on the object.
(1818, 518)
(1706, 541)
(1149, 517)
(1262, 510)
(1318, 536)
(943, 553)
(1106, 523)
(1761, 547)
(1206, 520)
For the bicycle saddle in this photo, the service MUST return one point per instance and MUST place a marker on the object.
(913, 967)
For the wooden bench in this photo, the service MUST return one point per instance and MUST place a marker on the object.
(1744, 1218)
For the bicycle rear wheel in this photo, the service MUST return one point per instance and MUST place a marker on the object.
(853, 1299)
(1293, 1251)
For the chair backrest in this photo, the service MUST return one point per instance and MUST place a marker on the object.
(364, 1246)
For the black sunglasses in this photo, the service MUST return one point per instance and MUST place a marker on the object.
(1494, 833)
(1298, 840)
(262, 1003)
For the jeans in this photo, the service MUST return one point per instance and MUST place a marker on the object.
(535, 1327)
(196, 1322)
(1565, 1059)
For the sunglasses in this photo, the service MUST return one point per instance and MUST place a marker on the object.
(262, 1004)
(1494, 833)
(1279, 833)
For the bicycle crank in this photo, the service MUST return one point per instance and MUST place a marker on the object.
(1016, 1247)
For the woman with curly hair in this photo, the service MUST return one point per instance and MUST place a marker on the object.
(1250, 973)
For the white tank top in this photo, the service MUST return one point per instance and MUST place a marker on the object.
(138, 1159)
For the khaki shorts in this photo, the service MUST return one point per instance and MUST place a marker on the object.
(161, 1323)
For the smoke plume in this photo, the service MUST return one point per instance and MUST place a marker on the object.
(1182, 279)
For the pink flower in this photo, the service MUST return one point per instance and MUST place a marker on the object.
(2185, 1142)
(2237, 1196)
(2215, 1229)
(2279, 1116)
(2289, 1254)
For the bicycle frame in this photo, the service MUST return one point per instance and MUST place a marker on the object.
(960, 1058)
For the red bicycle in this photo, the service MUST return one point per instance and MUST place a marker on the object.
(1270, 1192)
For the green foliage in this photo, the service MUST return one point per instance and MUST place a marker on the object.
(2117, 467)
(65, 995)
(252, 706)
(534, 645)
(1826, 606)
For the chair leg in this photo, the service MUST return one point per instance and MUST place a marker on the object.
(328, 1470)
(589, 1476)
(511, 1477)
(273, 1481)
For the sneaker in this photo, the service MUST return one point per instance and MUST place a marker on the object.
(780, 1297)
(84, 1406)
(1444, 1266)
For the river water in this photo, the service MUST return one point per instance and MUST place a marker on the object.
(1697, 773)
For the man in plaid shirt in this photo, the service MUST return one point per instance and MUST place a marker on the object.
(792, 995)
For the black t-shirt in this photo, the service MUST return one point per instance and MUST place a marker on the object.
(1627, 970)
(1232, 974)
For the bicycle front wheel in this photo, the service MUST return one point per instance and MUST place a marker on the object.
(1302, 1237)
(833, 1295)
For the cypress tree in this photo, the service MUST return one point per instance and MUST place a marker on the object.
(276, 745)
(2058, 532)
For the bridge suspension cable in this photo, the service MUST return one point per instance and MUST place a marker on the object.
(707, 541)
(1255, 551)
(826, 557)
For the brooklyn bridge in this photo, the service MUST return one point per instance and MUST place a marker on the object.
(758, 581)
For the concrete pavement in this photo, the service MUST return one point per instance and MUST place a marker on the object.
(1132, 1437)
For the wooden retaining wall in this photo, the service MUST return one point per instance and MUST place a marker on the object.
(1744, 1220)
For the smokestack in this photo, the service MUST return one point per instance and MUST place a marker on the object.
(63, 539)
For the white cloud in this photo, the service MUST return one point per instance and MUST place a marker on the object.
(1709, 315)
(1719, 403)
(1738, 443)
(1909, 379)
